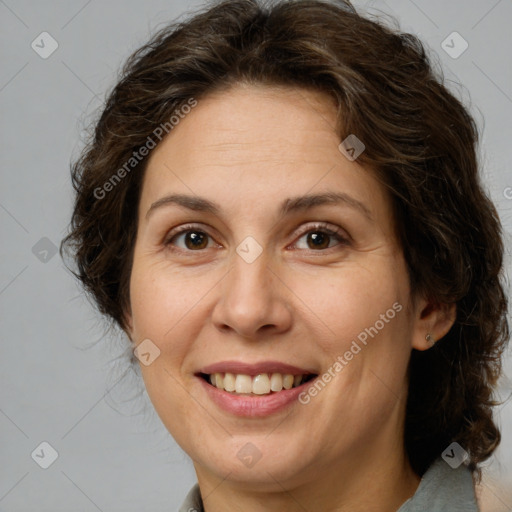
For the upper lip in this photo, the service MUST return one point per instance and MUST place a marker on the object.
(240, 367)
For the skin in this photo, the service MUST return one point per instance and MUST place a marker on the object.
(248, 149)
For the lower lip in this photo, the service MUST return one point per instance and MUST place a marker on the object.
(253, 406)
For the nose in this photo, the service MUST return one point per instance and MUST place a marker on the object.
(253, 300)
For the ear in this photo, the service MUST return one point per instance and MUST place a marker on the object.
(434, 320)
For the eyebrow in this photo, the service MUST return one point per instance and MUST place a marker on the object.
(290, 205)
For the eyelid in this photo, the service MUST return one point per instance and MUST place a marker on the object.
(325, 226)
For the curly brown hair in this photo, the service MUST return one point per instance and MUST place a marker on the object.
(420, 143)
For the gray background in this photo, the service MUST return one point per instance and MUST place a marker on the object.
(63, 380)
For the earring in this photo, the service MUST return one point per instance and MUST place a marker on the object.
(430, 340)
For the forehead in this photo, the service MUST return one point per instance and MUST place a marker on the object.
(254, 145)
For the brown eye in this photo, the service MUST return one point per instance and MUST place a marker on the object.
(321, 238)
(192, 239)
(318, 240)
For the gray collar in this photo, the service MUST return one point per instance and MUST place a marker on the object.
(443, 488)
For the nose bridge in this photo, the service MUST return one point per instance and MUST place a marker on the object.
(250, 297)
(249, 286)
(249, 277)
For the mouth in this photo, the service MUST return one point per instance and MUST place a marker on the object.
(253, 390)
(259, 384)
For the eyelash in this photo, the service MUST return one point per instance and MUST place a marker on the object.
(317, 228)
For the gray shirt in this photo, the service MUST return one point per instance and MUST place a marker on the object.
(442, 489)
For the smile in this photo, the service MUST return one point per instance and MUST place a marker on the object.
(260, 384)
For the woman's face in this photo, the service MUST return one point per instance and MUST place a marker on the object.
(243, 275)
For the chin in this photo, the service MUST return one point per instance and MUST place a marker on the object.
(260, 463)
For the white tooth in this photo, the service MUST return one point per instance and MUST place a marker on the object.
(212, 379)
(219, 381)
(297, 380)
(229, 382)
(261, 384)
(276, 382)
(243, 384)
(287, 381)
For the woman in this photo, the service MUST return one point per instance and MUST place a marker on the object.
(281, 208)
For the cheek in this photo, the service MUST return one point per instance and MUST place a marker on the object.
(160, 297)
(355, 299)
(367, 311)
